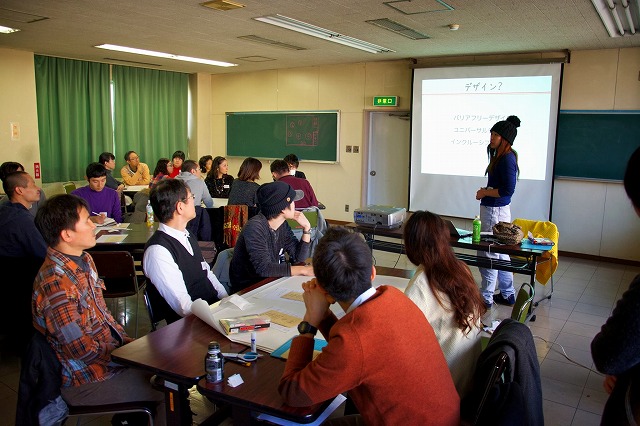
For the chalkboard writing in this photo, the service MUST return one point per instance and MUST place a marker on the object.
(312, 136)
(596, 144)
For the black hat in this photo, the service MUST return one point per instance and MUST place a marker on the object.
(276, 196)
(508, 128)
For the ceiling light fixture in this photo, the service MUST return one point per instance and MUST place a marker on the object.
(164, 55)
(8, 30)
(312, 30)
(608, 11)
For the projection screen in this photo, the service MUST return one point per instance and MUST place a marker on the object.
(453, 112)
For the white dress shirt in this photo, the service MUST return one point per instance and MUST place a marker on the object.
(164, 273)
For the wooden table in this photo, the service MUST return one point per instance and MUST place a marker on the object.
(137, 236)
(176, 353)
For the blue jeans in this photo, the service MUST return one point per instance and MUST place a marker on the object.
(489, 217)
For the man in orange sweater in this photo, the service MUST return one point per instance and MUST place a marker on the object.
(383, 351)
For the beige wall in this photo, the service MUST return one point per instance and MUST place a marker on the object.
(18, 105)
(597, 79)
(347, 88)
(596, 217)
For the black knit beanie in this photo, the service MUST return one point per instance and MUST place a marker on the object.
(276, 196)
(508, 128)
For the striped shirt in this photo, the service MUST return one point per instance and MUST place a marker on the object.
(69, 309)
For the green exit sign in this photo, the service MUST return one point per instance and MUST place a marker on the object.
(385, 101)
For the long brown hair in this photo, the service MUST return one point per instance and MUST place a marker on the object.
(426, 239)
(495, 155)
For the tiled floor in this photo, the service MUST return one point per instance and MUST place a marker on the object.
(585, 293)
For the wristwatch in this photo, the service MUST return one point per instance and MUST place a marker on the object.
(304, 327)
(306, 232)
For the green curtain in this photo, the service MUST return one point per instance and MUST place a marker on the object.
(150, 113)
(74, 115)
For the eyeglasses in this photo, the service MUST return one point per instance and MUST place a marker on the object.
(190, 196)
(134, 158)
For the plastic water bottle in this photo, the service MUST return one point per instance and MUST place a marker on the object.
(477, 225)
(214, 363)
(149, 213)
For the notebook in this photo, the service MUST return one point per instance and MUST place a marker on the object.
(455, 232)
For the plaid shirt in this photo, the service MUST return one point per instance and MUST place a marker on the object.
(69, 309)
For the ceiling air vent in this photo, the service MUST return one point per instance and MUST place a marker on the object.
(397, 28)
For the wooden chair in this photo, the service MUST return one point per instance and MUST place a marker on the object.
(118, 270)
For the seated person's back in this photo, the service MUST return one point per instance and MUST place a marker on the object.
(445, 291)
(280, 171)
(243, 189)
(383, 351)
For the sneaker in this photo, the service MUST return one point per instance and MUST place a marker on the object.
(488, 305)
(501, 300)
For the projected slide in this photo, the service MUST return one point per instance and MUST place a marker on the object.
(457, 115)
(453, 112)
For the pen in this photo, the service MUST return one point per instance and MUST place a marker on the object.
(237, 361)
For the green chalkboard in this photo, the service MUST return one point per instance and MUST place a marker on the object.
(312, 136)
(596, 144)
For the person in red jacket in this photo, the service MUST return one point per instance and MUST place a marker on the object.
(383, 351)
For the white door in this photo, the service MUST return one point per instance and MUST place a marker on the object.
(388, 159)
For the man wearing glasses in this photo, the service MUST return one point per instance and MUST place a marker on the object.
(172, 259)
(135, 172)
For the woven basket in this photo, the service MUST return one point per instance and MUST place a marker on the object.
(508, 233)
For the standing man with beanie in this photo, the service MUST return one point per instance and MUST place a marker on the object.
(266, 239)
(495, 199)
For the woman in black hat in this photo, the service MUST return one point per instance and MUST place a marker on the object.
(495, 199)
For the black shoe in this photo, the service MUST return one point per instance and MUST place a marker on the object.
(501, 300)
(488, 305)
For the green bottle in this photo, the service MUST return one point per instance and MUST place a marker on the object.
(477, 225)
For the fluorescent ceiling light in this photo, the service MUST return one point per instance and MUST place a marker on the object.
(164, 55)
(8, 30)
(611, 15)
(312, 30)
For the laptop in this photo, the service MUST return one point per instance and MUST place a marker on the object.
(455, 232)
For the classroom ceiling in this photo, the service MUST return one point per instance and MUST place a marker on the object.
(71, 28)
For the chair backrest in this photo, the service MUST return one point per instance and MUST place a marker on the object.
(312, 216)
(493, 377)
(221, 268)
(235, 218)
(157, 307)
(118, 270)
(69, 187)
(523, 303)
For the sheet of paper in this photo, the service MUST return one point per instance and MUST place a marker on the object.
(285, 313)
(293, 295)
(236, 300)
(282, 319)
(108, 238)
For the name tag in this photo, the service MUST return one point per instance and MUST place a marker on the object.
(226, 186)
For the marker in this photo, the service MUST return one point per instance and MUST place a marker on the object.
(253, 341)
